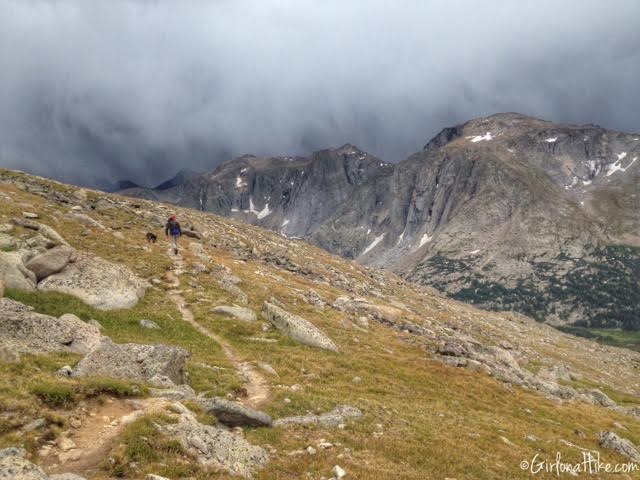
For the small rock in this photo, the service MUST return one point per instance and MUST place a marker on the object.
(150, 324)
(132, 417)
(65, 371)
(44, 451)
(362, 322)
(339, 472)
(340, 414)
(239, 313)
(36, 424)
(70, 456)
(65, 444)
(268, 368)
(30, 215)
(311, 450)
(357, 380)
(152, 476)
(508, 442)
(75, 423)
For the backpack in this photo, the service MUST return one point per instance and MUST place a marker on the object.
(174, 228)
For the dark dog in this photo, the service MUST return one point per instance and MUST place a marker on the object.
(151, 237)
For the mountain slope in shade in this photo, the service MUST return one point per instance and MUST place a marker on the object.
(179, 178)
(507, 212)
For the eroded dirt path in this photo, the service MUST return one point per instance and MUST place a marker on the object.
(97, 428)
(98, 425)
(257, 387)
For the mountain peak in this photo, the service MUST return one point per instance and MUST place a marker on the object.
(491, 196)
(178, 179)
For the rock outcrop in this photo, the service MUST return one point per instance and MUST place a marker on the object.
(215, 446)
(50, 262)
(159, 365)
(234, 414)
(614, 442)
(297, 328)
(101, 284)
(14, 274)
(30, 332)
(44, 261)
(239, 313)
(342, 414)
(15, 466)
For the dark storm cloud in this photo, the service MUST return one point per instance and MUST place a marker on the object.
(138, 89)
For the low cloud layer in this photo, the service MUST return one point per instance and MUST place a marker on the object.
(107, 90)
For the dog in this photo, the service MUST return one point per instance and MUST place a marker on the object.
(151, 237)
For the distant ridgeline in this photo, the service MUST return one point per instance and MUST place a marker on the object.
(507, 212)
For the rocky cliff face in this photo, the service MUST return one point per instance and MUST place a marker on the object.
(506, 212)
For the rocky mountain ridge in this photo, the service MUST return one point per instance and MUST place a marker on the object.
(507, 212)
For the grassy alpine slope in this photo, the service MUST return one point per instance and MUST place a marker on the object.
(423, 419)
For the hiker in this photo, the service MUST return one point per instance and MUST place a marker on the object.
(173, 228)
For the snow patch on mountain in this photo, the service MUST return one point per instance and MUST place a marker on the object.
(240, 183)
(424, 240)
(373, 244)
(617, 166)
(260, 214)
(480, 138)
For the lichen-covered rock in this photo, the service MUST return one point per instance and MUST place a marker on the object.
(149, 324)
(339, 415)
(14, 466)
(50, 262)
(31, 332)
(596, 397)
(234, 414)
(97, 282)
(14, 274)
(131, 361)
(297, 328)
(215, 446)
(230, 287)
(240, 313)
(383, 313)
(618, 444)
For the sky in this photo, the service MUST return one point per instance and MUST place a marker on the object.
(104, 90)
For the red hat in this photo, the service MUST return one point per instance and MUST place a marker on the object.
(172, 217)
